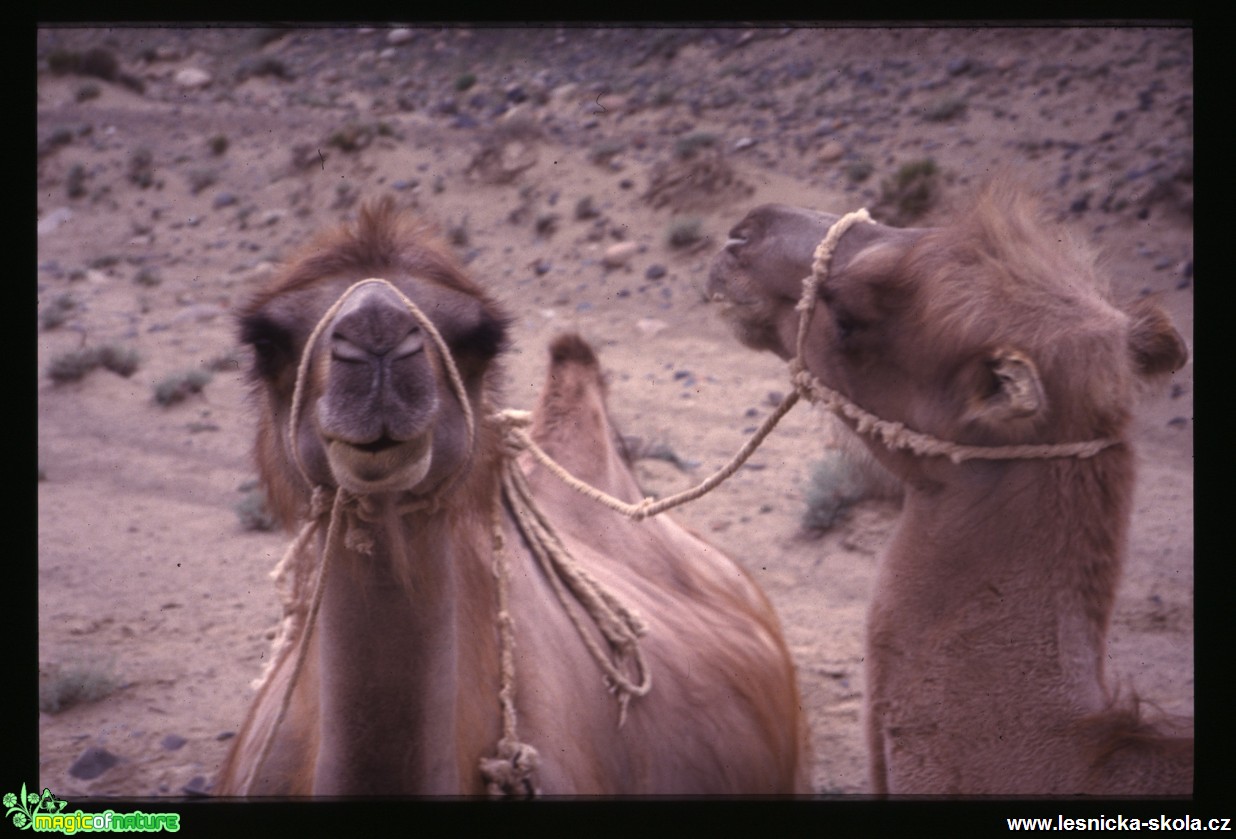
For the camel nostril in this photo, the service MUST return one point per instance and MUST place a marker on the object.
(411, 344)
(341, 349)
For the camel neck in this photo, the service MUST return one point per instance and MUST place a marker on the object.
(389, 640)
(1037, 544)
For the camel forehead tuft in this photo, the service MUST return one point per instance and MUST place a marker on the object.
(384, 241)
(1003, 272)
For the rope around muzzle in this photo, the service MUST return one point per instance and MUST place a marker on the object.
(512, 772)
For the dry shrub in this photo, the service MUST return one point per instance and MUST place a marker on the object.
(909, 194)
(698, 177)
(506, 152)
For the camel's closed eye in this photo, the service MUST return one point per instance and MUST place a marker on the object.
(272, 344)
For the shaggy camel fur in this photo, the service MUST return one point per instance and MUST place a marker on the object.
(987, 630)
(399, 688)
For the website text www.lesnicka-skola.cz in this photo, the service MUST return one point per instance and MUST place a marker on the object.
(1164, 823)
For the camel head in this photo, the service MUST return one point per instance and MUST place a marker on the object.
(377, 412)
(996, 330)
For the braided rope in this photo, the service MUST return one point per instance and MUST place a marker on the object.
(619, 625)
(896, 435)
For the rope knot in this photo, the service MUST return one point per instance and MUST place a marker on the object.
(512, 773)
(320, 502)
(359, 540)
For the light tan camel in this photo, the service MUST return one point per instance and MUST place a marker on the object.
(987, 629)
(399, 690)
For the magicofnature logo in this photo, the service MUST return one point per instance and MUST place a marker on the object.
(44, 813)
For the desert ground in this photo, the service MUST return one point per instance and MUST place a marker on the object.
(586, 175)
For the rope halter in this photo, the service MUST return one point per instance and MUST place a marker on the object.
(895, 435)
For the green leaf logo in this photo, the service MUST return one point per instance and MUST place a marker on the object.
(23, 807)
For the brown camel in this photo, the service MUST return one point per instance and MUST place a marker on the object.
(398, 690)
(987, 630)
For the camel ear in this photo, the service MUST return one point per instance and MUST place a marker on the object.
(1154, 344)
(1007, 388)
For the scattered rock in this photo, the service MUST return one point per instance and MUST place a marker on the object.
(830, 151)
(193, 78)
(650, 326)
(197, 313)
(616, 256)
(92, 763)
(172, 742)
(399, 36)
(52, 222)
(197, 786)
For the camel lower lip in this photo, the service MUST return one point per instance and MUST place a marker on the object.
(379, 445)
(382, 467)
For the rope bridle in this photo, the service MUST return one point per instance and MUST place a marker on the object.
(512, 772)
(896, 435)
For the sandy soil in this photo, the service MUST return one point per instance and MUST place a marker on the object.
(150, 232)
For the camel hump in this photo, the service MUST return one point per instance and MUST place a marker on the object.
(572, 423)
(571, 348)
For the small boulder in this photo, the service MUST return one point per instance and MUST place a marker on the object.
(92, 763)
(193, 78)
(616, 256)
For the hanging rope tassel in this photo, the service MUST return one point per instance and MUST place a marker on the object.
(512, 772)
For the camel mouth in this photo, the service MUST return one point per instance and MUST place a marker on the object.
(379, 445)
(382, 465)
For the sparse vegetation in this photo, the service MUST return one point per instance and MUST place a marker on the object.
(224, 363)
(458, 234)
(859, 171)
(179, 386)
(546, 224)
(218, 145)
(123, 361)
(604, 152)
(506, 151)
(910, 193)
(586, 208)
(75, 181)
(684, 232)
(945, 110)
(148, 277)
(141, 168)
(62, 686)
(201, 179)
(464, 82)
(253, 511)
(352, 138)
(72, 366)
(690, 145)
(663, 96)
(57, 312)
(99, 63)
(834, 485)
